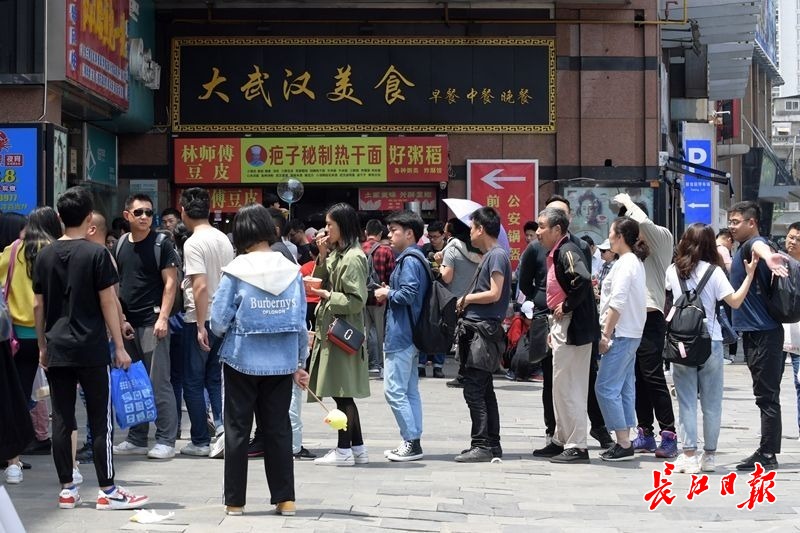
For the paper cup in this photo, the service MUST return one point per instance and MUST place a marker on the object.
(312, 283)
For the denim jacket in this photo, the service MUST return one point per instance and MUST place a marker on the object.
(407, 287)
(260, 308)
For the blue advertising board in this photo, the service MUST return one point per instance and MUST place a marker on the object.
(19, 168)
(697, 199)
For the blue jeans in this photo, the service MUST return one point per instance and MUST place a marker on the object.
(295, 410)
(201, 372)
(616, 384)
(708, 381)
(438, 359)
(401, 388)
(795, 371)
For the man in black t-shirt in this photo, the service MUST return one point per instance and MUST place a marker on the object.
(73, 285)
(147, 290)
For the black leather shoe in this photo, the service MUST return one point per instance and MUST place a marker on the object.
(551, 450)
(571, 455)
(768, 463)
(456, 383)
(438, 372)
(38, 447)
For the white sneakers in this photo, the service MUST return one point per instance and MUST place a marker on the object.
(218, 448)
(707, 463)
(687, 465)
(196, 450)
(126, 448)
(161, 451)
(360, 455)
(77, 478)
(337, 457)
(13, 474)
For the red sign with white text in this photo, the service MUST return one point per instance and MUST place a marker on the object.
(416, 159)
(207, 161)
(393, 199)
(97, 48)
(510, 186)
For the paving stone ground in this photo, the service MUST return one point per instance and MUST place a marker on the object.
(437, 494)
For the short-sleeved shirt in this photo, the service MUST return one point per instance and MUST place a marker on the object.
(69, 274)
(753, 314)
(141, 286)
(463, 267)
(205, 252)
(495, 260)
(717, 288)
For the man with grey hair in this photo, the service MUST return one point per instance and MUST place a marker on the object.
(574, 327)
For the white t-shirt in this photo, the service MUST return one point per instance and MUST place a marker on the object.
(717, 288)
(205, 252)
(625, 290)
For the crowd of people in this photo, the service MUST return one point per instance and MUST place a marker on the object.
(258, 312)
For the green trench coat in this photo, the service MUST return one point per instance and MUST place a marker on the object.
(332, 372)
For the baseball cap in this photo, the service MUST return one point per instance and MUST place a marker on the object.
(605, 245)
(527, 309)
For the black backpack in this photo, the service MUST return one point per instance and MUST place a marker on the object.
(782, 296)
(688, 340)
(177, 303)
(436, 328)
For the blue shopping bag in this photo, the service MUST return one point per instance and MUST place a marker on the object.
(132, 396)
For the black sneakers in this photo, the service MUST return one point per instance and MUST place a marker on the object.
(601, 435)
(438, 372)
(475, 455)
(304, 454)
(456, 383)
(571, 455)
(410, 450)
(618, 453)
(551, 450)
(497, 451)
(769, 463)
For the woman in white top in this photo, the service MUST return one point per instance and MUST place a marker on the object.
(623, 311)
(697, 252)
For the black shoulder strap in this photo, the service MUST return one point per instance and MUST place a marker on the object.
(122, 240)
(160, 238)
(701, 285)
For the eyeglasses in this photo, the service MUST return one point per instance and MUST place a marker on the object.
(734, 222)
(139, 212)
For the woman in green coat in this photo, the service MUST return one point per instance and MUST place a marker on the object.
(342, 266)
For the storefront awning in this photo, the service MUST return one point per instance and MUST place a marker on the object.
(728, 29)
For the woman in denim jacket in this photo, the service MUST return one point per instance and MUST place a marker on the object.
(260, 308)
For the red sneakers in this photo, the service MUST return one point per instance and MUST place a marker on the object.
(120, 499)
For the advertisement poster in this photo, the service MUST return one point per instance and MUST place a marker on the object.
(97, 48)
(510, 186)
(257, 160)
(19, 169)
(593, 208)
(394, 199)
(60, 162)
(100, 164)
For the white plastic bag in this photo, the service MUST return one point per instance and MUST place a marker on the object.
(41, 388)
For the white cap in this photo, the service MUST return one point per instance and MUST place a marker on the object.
(605, 245)
(527, 309)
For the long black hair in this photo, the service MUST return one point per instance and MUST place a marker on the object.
(346, 218)
(43, 228)
(11, 225)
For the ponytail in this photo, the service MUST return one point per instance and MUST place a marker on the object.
(641, 250)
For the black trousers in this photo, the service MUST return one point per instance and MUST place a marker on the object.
(652, 394)
(482, 403)
(95, 382)
(27, 362)
(272, 395)
(763, 352)
(592, 407)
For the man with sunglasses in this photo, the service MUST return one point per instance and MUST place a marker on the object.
(147, 289)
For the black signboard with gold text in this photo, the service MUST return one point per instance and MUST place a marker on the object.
(407, 85)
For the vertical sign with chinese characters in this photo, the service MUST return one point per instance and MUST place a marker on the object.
(510, 186)
(97, 47)
(19, 169)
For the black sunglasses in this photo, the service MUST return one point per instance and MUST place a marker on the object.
(139, 212)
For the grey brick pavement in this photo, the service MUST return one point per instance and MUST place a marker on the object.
(437, 494)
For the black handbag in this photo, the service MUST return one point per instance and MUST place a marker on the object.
(345, 336)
